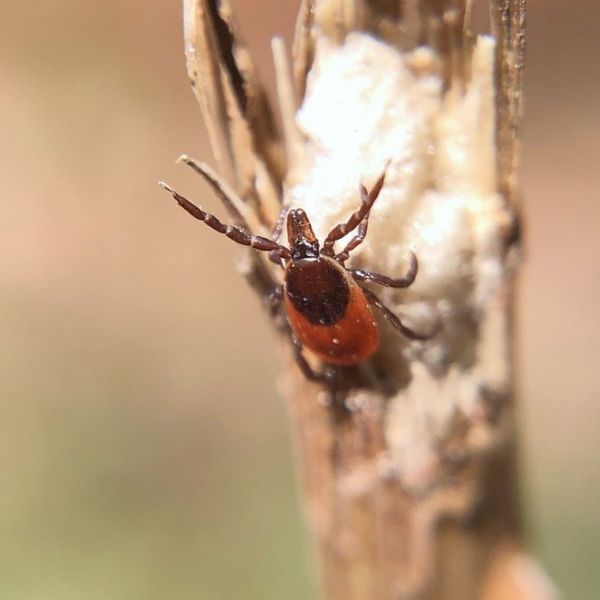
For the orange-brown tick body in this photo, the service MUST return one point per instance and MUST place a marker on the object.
(328, 310)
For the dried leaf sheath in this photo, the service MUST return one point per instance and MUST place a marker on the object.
(234, 105)
(508, 26)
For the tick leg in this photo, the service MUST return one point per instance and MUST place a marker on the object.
(367, 200)
(258, 276)
(358, 238)
(386, 281)
(234, 233)
(276, 234)
(276, 257)
(232, 202)
(392, 318)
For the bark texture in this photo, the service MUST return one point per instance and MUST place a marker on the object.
(408, 478)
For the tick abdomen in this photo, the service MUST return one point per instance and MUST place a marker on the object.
(329, 312)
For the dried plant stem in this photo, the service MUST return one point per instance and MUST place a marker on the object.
(408, 478)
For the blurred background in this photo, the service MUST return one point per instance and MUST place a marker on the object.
(144, 450)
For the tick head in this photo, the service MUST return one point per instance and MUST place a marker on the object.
(302, 240)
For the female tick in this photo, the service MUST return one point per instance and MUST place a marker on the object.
(327, 307)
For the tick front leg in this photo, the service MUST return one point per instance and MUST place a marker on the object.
(276, 234)
(400, 282)
(367, 200)
(360, 233)
(233, 233)
(392, 318)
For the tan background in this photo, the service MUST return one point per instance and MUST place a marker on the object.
(143, 446)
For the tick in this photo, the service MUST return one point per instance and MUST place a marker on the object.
(328, 308)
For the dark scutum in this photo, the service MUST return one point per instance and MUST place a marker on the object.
(318, 289)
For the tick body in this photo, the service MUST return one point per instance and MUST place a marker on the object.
(328, 308)
(328, 311)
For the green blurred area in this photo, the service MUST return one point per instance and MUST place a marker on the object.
(144, 448)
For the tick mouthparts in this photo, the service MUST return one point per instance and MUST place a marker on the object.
(301, 237)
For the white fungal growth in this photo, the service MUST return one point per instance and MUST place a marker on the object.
(367, 104)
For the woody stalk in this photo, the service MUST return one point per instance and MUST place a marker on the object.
(408, 478)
